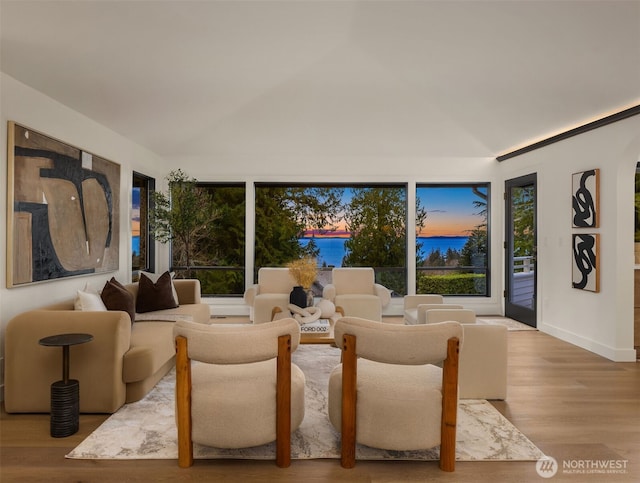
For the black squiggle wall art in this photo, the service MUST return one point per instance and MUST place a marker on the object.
(585, 207)
(586, 260)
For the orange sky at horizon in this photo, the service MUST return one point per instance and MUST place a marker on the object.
(442, 225)
(449, 227)
(450, 212)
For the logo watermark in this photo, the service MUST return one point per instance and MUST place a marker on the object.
(548, 467)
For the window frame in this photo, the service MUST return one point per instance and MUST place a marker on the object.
(204, 268)
(403, 185)
(487, 264)
(147, 186)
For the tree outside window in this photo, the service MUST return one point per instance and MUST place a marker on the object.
(340, 225)
(205, 225)
(346, 225)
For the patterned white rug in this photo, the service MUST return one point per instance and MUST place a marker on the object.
(146, 429)
(507, 322)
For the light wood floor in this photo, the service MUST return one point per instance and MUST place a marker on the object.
(576, 406)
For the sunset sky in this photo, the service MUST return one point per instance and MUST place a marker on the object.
(135, 212)
(450, 212)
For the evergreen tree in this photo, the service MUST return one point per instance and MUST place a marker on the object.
(376, 219)
(435, 259)
(452, 257)
(523, 213)
(283, 213)
(475, 249)
(474, 252)
(277, 228)
(185, 216)
(227, 245)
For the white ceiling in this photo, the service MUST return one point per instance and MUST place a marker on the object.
(217, 79)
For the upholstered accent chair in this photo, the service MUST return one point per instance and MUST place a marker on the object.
(388, 393)
(242, 392)
(442, 314)
(355, 291)
(483, 358)
(412, 302)
(271, 292)
(416, 305)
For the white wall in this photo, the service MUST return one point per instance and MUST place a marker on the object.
(600, 322)
(28, 107)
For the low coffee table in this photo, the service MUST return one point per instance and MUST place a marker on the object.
(65, 394)
(324, 338)
(307, 338)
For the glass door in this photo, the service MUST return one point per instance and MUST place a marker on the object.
(520, 249)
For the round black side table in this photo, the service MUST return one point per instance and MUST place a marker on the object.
(65, 394)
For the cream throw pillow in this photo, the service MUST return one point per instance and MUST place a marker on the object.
(89, 300)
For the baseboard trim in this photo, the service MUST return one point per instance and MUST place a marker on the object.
(612, 353)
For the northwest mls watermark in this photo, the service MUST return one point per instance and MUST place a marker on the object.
(548, 467)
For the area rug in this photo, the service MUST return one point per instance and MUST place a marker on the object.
(146, 429)
(510, 324)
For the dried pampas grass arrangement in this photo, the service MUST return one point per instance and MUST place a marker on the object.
(304, 271)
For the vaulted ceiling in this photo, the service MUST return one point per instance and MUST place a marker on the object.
(217, 79)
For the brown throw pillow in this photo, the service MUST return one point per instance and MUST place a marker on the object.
(155, 296)
(116, 297)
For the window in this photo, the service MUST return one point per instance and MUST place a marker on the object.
(340, 225)
(142, 245)
(347, 225)
(452, 243)
(218, 260)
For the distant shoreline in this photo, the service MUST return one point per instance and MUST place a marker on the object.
(324, 237)
(331, 249)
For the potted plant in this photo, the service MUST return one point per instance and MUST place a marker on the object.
(304, 272)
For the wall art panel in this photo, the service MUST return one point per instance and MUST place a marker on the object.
(63, 209)
(585, 207)
(586, 261)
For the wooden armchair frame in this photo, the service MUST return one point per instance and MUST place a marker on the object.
(283, 402)
(449, 403)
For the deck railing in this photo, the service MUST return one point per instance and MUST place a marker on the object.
(523, 286)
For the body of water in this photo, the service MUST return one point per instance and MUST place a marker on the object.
(332, 249)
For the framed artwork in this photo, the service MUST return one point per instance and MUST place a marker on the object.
(63, 209)
(585, 207)
(586, 261)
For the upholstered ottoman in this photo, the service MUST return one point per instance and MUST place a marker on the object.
(483, 354)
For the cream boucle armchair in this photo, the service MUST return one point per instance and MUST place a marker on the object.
(355, 291)
(243, 391)
(271, 292)
(387, 392)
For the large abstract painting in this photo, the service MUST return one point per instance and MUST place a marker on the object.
(585, 189)
(63, 209)
(586, 260)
